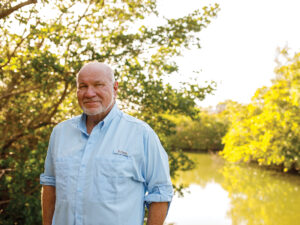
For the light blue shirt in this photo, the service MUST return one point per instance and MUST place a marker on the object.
(106, 177)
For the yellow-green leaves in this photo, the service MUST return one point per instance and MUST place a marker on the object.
(267, 130)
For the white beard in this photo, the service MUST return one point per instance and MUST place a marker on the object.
(100, 109)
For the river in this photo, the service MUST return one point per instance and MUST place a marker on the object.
(220, 193)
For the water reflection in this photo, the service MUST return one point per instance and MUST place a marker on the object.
(222, 194)
(207, 170)
(261, 197)
(201, 205)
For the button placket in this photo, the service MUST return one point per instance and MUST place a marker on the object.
(88, 150)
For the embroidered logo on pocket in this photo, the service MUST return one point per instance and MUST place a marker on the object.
(120, 152)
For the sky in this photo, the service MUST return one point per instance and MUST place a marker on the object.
(240, 46)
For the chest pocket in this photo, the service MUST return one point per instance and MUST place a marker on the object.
(112, 179)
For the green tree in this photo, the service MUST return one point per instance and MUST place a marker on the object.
(44, 44)
(203, 133)
(267, 130)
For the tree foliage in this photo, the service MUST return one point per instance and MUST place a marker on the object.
(44, 43)
(202, 134)
(268, 129)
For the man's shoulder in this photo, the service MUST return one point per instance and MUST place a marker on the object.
(73, 122)
(133, 121)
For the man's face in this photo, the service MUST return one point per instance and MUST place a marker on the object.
(95, 91)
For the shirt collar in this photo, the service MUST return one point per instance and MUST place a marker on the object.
(82, 123)
(109, 117)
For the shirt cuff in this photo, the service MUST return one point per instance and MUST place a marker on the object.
(162, 193)
(47, 180)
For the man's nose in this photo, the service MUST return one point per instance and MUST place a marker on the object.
(90, 92)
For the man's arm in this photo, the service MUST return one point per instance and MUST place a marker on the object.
(157, 213)
(48, 203)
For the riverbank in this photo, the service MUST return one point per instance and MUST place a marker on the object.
(277, 168)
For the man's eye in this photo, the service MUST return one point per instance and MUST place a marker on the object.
(99, 85)
(82, 86)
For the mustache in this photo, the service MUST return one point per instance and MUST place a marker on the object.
(91, 101)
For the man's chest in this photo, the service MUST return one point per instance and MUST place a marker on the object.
(104, 166)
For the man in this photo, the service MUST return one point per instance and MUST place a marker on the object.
(104, 166)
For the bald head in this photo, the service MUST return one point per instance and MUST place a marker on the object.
(97, 67)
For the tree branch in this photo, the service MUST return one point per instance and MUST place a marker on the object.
(5, 13)
(44, 122)
(2, 171)
(4, 201)
(10, 55)
(63, 96)
(76, 26)
(19, 92)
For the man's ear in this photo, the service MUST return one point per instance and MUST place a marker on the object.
(116, 85)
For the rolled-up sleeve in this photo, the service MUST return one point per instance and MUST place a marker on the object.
(158, 181)
(48, 177)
